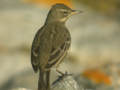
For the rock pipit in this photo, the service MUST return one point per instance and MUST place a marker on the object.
(51, 43)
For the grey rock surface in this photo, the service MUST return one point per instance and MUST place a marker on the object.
(65, 83)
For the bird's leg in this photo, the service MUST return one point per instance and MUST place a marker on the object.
(60, 72)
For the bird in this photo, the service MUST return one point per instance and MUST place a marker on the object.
(51, 43)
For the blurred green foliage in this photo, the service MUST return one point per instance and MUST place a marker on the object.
(107, 7)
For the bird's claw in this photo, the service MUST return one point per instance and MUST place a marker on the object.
(65, 74)
(61, 76)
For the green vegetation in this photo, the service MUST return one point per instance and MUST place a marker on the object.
(107, 7)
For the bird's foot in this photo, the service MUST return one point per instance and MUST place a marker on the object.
(63, 74)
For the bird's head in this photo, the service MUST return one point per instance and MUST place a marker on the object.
(60, 13)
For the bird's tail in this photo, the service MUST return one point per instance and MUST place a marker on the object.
(41, 83)
(48, 80)
(44, 80)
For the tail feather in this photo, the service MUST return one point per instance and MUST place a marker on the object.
(41, 83)
(48, 80)
(44, 80)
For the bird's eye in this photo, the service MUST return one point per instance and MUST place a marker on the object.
(64, 11)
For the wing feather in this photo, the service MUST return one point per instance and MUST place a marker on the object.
(58, 54)
(35, 50)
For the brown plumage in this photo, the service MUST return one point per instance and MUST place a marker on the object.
(51, 44)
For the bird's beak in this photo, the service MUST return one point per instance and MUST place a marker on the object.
(76, 12)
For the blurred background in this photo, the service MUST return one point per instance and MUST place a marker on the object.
(95, 41)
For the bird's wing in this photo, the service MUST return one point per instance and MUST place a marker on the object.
(60, 51)
(57, 55)
(35, 50)
(40, 49)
